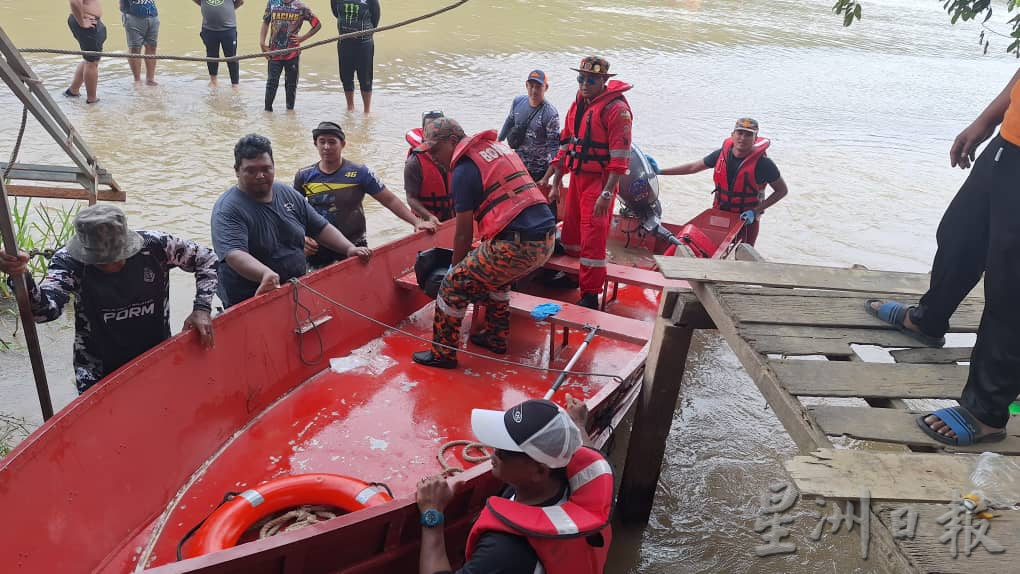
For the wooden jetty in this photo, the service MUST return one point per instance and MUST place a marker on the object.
(797, 331)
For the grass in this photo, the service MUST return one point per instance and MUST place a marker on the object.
(12, 431)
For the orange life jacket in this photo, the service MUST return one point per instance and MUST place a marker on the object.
(587, 149)
(746, 192)
(571, 537)
(435, 190)
(508, 187)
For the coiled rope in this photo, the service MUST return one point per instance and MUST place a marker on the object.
(253, 55)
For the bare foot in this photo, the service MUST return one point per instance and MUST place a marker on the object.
(151, 83)
(213, 82)
(237, 87)
(936, 424)
(92, 101)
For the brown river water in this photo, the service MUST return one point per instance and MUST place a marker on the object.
(861, 122)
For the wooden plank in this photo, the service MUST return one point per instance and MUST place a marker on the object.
(931, 555)
(797, 340)
(63, 193)
(620, 273)
(794, 416)
(795, 309)
(838, 379)
(895, 426)
(789, 275)
(54, 174)
(943, 356)
(916, 477)
(570, 315)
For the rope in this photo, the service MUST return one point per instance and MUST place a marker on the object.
(298, 518)
(468, 445)
(357, 313)
(253, 55)
(17, 142)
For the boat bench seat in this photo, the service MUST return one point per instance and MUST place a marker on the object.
(616, 274)
(570, 316)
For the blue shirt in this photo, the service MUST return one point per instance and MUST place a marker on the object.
(338, 196)
(140, 8)
(468, 193)
(274, 233)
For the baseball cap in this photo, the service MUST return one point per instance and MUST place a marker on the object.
(747, 125)
(329, 128)
(102, 236)
(538, 76)
(537, 428)
(594, 65)
(440, 129)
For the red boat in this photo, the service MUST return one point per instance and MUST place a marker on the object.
(301, 382)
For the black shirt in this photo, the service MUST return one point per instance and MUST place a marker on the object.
(765, 172)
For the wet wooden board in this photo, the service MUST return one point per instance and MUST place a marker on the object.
(837, 311)
(844, 379)
(892, 425)
(619, 273)
(917, 477)
(788, 275)
(943, 356)
(930, 555)
(794, 340)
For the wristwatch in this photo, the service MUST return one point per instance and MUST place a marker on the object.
(606, 194)
(432, 518)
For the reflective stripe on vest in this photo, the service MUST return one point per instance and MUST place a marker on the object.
(746, 192)
(560, 520)
(588, 144)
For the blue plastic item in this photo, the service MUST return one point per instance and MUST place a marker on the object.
(545, 310)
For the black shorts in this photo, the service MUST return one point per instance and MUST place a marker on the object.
(89, 39)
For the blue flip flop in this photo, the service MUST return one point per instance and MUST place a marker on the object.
(962, 423)
(893, 312)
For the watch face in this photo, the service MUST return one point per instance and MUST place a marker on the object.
(431, 518)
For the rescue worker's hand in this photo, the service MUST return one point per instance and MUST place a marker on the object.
(265, 48)
(578, 411)
(363, 253)
(311, 247)
(749, 216)
(201, 321)
(433, 493)
(427, 225)
(962, 151)
(601, 206)
(554, 191)
(270, 281)
(14, 265)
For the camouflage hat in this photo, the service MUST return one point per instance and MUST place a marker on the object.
(102, 236)
(438, 130)
(747, 125)
(594, 65)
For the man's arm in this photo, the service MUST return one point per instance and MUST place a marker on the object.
(686, 168)
(964, 146)
(331, 237)
(412, 188)
(263, 32)
(253, 270)
(237, 3)
(63, 279)
(779, 191)
(391, 202)
(376, 11)
(508, 123)
(316, 26)
(230, 238)
(463, 234)
(191, 257)
(334, 5)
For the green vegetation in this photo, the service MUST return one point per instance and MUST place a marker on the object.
(12, 430)
(965, 10)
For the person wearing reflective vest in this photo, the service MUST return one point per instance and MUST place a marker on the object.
(595, 150)
(554, 516)
(742, 171)
(490, 188)
(425, 183)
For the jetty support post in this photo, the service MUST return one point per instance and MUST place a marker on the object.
(680, 314)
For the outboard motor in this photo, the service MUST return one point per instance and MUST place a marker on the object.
(430, 269)
(639, 192)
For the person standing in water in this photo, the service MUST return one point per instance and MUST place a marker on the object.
(356, 55)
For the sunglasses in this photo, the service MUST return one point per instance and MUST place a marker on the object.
(431, 115)
(507, 454)
(590, 80)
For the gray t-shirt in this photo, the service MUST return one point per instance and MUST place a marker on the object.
(218, 15)
(274, 233)
(542, 138)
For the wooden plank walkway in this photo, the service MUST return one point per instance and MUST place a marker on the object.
(800, 331)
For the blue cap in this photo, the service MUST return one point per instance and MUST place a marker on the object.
(538, 76)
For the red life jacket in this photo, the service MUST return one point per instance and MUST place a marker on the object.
(588, 146)
(508, 187)
(746, 192)
(435, 190)
(571, 537)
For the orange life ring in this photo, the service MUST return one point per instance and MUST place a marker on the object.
(225, 526)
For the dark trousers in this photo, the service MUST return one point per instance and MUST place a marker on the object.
(980, 233)
(276, 67)
(227, 41)
(356, 57)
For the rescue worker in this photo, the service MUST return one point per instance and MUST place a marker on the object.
(120, 280)
(492, 188)
(540, 453)
(426, 185)
(595, 150)
(742, 171)
(336, 188)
